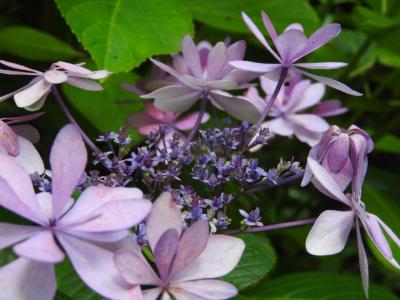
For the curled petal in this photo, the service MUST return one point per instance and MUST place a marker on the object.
(32, 94)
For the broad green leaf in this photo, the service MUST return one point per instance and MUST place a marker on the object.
(315, 286)
(388, 143)
(33, 44)
(388, 210)
(258, 259)
(70, 286)
(372, 21)
(107, 109)
(225, 14)
(121, 34)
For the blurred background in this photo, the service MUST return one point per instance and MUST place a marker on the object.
(36, 33)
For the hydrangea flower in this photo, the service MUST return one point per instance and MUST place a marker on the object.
(187, 262)
(252, 218)
(33, 95)
(288, 111)
(291, 46)
(330, 231)
(17, 140)
(334, 153)
(152, 120)
(62, 227)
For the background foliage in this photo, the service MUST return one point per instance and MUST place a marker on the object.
(121, 34)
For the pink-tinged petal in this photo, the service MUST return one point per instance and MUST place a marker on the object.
(191, 245)
(289, 43)
(321, 65)
(268, 85)
(134, 268)
(329, 108)
(319, 38)
(55, 76)
(326, 181)
(332, 83)
(165, 68)
(24, 279)
(217, 59)
(17, 192)
(40, 247)
(268, 24)
(29, 158)
(151, 294)
(32, 94)
(375, 232)
(330, 232)
(19, 67)
(162, 116)
(95, 266)
(115, 215)
(220, 257)
(310, 122)
(280, 126)
(74, 68)
(257, 33)
(191, 55)
(254, 66)
(363, 260)
(94, 200)
(252, 94)
(238, 107)
(12, 233)
(165, 251)
(205, 289)
(187, 122)
(68, 159)
(8, 139)
(85, 84)
(163, 216)
(28, 132)
(311, 96)
(338, 153)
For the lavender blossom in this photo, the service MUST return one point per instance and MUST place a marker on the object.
(187, 262)
(293, 45)
(252, 218)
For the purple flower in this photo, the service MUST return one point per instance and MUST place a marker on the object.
(289, 106)
(336, 152)
(187, 262)
(252, 218)
(33, 95)
(330, 231)
(62, 226)
(291, 46)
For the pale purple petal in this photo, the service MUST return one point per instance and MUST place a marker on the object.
(270, 27)
(254, 66)
(95, 266)
(151, 294)
(100, 74)
(8, 139)
(363, 260)
(165, 68)
(338, 154)
(311, 96)
(310, 122)
(332, 83)
(217, 59)
(40, 247)
(74, 68)
(163, 216)
(22, 119)
(205, 289)
(12, 233)
(225, 85)
(307, 136)
(280, 126)
(32, 94)
(19, 67)
(24, 279)
(187, 122)
(191, 245)
(68, 159)
(307, 172)
(191, 56)
(29, 157)
(326, 181)
(220, 257)
(257, 33)
(330, 232)
(28, 132)
(107, 237)
(55, 76)
(289, 43)
(321, 65)
(85, 84)
(134, 268)
(164, 252)
(236, 51)
(359, 162)
(330, 108)
(376, 234)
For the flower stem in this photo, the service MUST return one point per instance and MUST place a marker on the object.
(203, 106)
(71, 119)
(273, 226)
(271, 101)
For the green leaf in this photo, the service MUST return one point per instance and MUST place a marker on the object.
(388, 143)
(70, 286)
(372, 21)
(121, 34)
(107, 109)
(258, 259)
(315, 286)
(33, 44)
(225, 14)
(388, 210)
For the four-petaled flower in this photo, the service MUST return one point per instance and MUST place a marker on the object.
(101, 216)
(186, 262)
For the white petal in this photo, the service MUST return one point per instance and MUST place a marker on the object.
(311, 96)
(55, 76)
(32, 94)
(29, 158)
